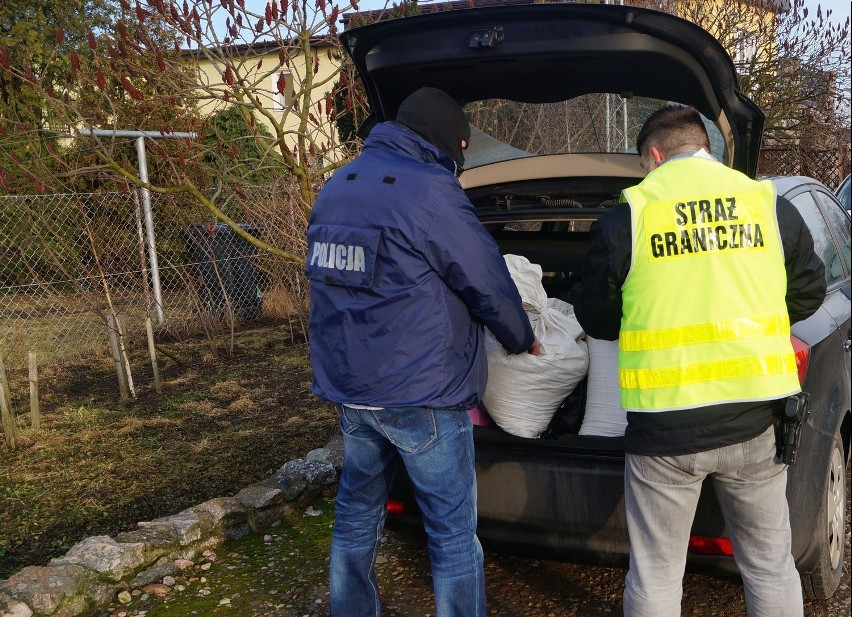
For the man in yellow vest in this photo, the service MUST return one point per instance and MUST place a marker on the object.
(699, 273)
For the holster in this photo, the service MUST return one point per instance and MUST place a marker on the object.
(788, 427)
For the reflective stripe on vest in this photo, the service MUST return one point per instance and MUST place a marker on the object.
(704, 317)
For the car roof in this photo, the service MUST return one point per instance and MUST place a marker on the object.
(785, 184)
(553, 52)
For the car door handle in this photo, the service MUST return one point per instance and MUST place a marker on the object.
(847, 345)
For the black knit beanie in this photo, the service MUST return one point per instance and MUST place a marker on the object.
(436, 117)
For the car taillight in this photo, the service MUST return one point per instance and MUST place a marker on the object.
(395, 508)
(707, 545)
(803, 356)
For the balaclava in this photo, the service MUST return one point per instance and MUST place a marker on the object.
(436, 117)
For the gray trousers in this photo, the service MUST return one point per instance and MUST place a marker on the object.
(661, 494)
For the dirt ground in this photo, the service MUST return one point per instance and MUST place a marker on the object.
(225, 418)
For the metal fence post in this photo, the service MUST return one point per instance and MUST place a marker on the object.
(142, 162)
(149, 230)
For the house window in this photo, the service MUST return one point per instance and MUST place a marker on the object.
(282, 90)
(745, 47)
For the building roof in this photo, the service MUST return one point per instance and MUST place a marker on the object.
(264, 47)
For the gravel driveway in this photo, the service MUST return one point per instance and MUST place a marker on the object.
(284, 574)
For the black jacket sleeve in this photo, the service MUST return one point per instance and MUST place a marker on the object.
(805, 270)
(597, 294)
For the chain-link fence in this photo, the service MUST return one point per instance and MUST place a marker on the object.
(71, 263)
(824, 165)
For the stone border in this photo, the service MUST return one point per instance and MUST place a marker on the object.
(96, 571)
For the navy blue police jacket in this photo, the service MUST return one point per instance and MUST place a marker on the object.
(403, 279)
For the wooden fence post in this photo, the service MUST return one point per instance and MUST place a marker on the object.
(116, 355)
(35, 412)
(122, 348)
(7, 419)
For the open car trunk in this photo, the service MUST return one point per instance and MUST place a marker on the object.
(526, 485)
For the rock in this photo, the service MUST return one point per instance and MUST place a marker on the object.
(313, 472)
(124, 597)
(183, 564)
(221, 513)
(44, 589)
(59, 591)
(262, 519)
(186, 525)
(119, 612)
(331, 453)
(309, 495)
(113, 559)
(157, 589)
(9, 607)
(163, 567)
(169, 581)
(260, 495)
(291, 484)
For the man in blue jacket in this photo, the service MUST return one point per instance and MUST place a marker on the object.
(403, 278)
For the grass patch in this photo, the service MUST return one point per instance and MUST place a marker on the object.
(272, 573)
(99, 465)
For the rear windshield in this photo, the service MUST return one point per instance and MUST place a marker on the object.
(503, 130)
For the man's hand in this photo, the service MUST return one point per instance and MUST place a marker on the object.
(535, 348)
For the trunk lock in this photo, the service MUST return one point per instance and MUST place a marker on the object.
(486, 37)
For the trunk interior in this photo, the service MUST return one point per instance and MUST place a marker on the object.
(548, 221)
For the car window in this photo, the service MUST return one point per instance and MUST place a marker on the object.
(503, 130)
(843, 194)
(839, 222)
(823, 243)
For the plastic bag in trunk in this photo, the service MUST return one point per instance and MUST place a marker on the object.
(524, 391)
(604, 415)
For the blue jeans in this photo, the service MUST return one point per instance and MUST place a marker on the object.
(436, 447)
(661, 494)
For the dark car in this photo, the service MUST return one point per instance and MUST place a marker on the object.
(555, 94)
(843, 194)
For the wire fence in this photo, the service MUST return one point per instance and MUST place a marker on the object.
(827, 166)
(71, 263)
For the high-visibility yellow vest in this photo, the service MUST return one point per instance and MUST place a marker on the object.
(704, 319)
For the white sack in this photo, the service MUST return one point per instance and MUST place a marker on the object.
(604, 415)
(524, 391)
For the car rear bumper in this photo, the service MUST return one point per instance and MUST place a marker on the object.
(561, 499)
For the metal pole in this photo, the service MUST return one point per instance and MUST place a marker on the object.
(142, 162)
(148, 215)
(135, 134)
